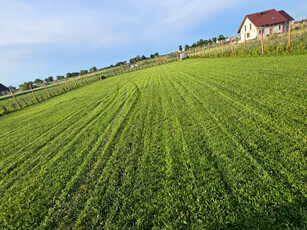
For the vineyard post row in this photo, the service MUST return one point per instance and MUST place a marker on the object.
(108, 72)
(222, 46)
(196, 52)
(59, 89)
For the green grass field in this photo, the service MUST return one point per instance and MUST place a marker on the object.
(203, 143)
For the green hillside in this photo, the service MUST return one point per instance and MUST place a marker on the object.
(202, 143)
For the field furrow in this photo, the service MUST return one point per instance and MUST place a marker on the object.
(197, 144)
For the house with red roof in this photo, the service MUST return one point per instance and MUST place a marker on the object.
(270, 21)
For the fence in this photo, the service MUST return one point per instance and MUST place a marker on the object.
(294, 42)
(141, 65)
(23, 99)
(19, 100)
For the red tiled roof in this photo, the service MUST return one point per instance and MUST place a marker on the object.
(286, 15)
(268, 17)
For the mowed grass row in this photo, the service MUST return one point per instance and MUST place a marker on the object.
(218, 143)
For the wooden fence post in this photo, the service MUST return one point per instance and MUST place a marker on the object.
(59, 86)
(262, 48)
(68, 86)
(232, 48)
(215, 49)
(33, 93)
(209, 49)
(47, 90)
(289, 41)
(86, 80)
(11, 91)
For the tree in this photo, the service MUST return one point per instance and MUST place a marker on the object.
(186, 47)
(93, 69)
(200, 42)
(214, 39)
(194, 45)
(74, 74)
(143, 57)
(13, 88)
(180, 48)
(121, 63)
(83, 72)
(156, 54)
(25, 86)
(138, 58)
(50, 79)
(47, 80)
(59, 77)
(152, 56)
(221, 37)
(38, 81)
(132, 60)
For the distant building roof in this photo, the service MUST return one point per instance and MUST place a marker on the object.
(3, 88)
(268, 17)
(286, 15)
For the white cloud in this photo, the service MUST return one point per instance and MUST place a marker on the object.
(169, 16)
(22, 23)
(74, 22)
(32, 30)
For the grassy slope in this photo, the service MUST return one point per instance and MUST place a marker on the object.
(200, 143)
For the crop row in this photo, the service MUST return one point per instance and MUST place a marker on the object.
(194, 144)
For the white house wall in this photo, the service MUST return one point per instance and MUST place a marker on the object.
(4, 92)
(277, 29)
(252, 32)
(256, 32)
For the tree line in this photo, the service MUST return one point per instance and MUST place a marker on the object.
(202, 42)
(38, 82)
(142, 58)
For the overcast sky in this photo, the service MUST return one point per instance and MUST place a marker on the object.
(46, 38)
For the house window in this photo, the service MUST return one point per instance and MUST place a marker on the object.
(245, 27)
(250, 26)
(248, 35)
(279, 27)
(273, 18)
